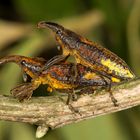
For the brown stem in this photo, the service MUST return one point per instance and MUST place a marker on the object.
(52, 112)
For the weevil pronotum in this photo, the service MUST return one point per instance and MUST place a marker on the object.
(88, 53)
(57, 77)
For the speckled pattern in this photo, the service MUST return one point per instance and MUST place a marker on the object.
(90, 53)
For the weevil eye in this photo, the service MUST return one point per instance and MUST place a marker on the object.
(58, 32)
(23, 62)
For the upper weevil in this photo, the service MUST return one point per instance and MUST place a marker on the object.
(88, 53)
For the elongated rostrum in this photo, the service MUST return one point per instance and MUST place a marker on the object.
(88, 53)
(57, 77)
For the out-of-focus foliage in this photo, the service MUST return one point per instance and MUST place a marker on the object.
(115, 24)
(35, 11)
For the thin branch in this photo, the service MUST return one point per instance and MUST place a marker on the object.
(52, 112)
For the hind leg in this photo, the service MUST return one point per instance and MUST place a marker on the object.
(113, 99)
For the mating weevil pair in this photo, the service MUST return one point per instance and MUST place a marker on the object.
(90, 54)
(96, 66)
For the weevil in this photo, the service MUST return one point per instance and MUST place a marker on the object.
(57, 77)
(88, 53)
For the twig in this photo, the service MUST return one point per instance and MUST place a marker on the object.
(51, 112)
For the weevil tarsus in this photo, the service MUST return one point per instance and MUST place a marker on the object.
(72, 96)
(24, 91)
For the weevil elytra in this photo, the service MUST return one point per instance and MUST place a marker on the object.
(57, 77)
(89, 53)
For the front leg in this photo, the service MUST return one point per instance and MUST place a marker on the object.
(25, 77)
(71, 97)
(24, 91)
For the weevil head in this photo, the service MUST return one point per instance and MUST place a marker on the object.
(30, 66)
(64, 36)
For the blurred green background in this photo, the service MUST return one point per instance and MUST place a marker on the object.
(113, 23)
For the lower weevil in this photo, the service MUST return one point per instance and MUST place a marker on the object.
(57, 77)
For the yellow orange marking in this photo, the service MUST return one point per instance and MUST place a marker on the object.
(55, 84)
(117, 68)
(89, 75)
(66, 52)
(49, 89)
(115, 80)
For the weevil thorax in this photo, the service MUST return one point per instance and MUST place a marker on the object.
(67, 38)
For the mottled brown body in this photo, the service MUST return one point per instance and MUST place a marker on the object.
(57, 77)
(64, 73)
(90, 54)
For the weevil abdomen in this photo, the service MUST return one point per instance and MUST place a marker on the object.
(103, 61)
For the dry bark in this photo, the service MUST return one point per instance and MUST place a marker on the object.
(52, 112)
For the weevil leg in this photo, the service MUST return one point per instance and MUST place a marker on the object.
(68, 99)
(74, 110)
(74, 95)
(74, 72)
(86, 90)
(25, 77)
(111, 95)
(73, 80)
(109, 85)
(24, 91)
(71, 97)
(55, 60)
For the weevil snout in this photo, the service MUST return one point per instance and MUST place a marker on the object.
(53, 26)
(12, 58)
